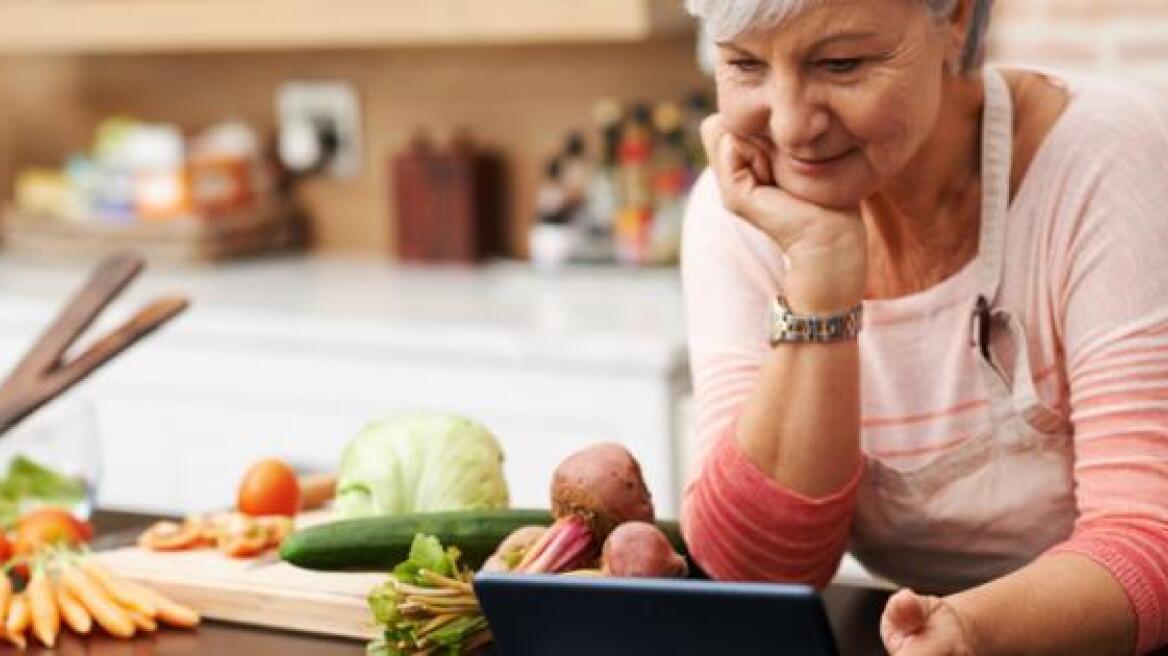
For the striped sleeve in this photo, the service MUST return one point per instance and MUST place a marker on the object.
(1113, 295)
(742, 526)
(739, 523)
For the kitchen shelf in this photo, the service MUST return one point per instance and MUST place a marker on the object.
(144, 26)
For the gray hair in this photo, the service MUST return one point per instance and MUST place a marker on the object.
(726, 19)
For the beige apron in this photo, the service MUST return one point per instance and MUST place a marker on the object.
(1002, 497)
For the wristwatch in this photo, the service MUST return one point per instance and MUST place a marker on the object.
(788, 327)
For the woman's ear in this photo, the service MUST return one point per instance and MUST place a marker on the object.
(956, 27)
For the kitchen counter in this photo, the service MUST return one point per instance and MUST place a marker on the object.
(854, 614)
(290, 357)
(583, 316)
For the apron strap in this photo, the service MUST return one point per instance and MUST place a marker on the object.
(997, 158)
(1018, 400)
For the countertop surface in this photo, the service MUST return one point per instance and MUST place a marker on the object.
(854, 614)
(582, 316)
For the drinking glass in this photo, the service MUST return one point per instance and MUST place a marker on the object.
(61, 436)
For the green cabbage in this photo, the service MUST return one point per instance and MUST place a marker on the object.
(420, 462)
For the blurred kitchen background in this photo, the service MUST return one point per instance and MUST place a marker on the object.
(379, 205)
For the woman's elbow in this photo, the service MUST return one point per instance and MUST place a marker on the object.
(729, 547)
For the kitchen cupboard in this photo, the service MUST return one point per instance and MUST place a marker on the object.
(289, 357)
(517, 100)
(91, 26)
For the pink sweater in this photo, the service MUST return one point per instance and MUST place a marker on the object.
(1086, 272)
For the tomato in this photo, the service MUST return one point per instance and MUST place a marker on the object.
(5, 548)
(49, 526)
(270, 487)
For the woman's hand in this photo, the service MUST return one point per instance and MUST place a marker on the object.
(918, 625)
(826, 248)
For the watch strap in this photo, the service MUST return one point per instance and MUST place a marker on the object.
(789, 327)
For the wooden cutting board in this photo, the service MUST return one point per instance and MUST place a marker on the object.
(260, 591)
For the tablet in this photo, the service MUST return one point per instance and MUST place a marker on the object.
(538, 615)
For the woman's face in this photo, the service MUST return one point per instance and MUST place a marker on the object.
(844, 93)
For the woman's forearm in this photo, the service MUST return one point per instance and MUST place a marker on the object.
(801, 423)
(1059, 604)
(774, 498)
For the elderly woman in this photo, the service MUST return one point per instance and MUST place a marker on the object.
(992, 433)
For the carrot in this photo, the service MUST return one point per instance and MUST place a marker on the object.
(46, 617)
(73, 612)
(169, 611)
(142, 621)
(104, 610)
(170, 536)
(117, 589)
(17, 621)
(5, 595)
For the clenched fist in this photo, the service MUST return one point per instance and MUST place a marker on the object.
(825, 248)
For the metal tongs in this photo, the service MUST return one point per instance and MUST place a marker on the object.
(43, 374)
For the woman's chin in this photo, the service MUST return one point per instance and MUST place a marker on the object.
(833, 194)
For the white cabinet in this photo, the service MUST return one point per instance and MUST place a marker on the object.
(289, 358)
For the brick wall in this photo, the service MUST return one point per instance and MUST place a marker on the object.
(1126, 38)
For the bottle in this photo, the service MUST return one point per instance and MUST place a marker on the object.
(576, 170)
(157, 157)
(633, 224)
(227, 176)
(670, 184)
(552, 240)
(669, 136)
(603, 196)
(113, 190)
(697, 107)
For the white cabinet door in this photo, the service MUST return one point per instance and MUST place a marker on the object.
(180, 424)
(182, 414)
(186, 456)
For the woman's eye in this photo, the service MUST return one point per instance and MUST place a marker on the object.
(748, 66)
(840, 65)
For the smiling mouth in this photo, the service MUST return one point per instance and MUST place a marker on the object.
(820, 161)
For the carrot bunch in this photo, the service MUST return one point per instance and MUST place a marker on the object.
(65, 588)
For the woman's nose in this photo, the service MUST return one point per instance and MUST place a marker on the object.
(795, 118)
(783, 112)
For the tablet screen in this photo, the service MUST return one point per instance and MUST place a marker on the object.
(534, 615)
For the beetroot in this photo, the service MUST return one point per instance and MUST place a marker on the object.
(510, 551)
(593, 491)
(603, 485)
(640, 549)
(566, 546)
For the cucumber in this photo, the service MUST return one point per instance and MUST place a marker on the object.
(377, 544)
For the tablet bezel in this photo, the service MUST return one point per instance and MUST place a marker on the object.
(534, 614)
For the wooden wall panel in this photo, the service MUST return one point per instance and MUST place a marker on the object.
(520, 99)
(43, 118)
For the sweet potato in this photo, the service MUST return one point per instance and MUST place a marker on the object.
(602, 484)
(511, 550)
(642, 550)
